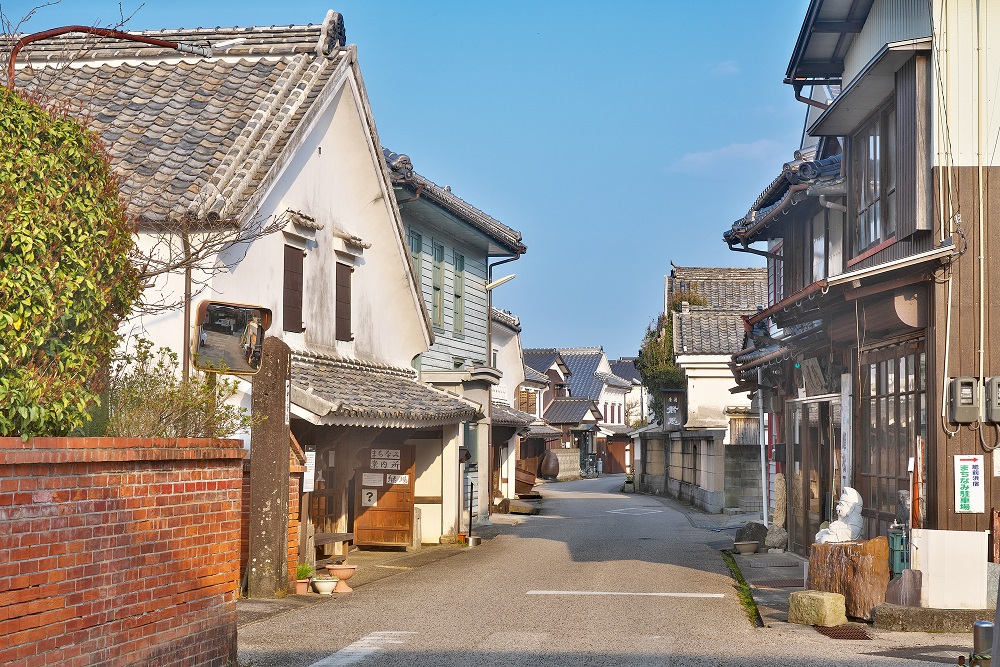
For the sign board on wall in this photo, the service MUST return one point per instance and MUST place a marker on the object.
(372, 479)
(385, 459)
(369, 497)
(309, 478)
(970, 497)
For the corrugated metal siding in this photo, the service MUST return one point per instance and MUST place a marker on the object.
(958, 40)
(888, 21)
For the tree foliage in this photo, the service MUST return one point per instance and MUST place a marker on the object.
(66, 281)
(656, 356)
(147, 398)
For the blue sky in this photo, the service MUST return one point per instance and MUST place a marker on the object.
(616, 140)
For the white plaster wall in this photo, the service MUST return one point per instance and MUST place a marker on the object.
(709, 380)
(341, 186)
(429, 454)
(510, 360)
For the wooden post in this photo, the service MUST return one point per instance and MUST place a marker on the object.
(270, 449)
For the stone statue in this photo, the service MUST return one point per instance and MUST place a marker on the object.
(849, 523)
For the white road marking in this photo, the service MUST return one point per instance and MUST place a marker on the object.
(364, 647)
(660, 595)
(635, 511)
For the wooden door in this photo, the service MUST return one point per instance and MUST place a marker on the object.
(616, 456)
(383, 497)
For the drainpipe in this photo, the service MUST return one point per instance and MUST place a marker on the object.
(489, 360)
(826, 203)
(205, 51)
(763, 449)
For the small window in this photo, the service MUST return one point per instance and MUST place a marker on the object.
(437, 296)
(291, 300)
(417, 252)
(873, 173)
(342, 316)
(459, 294)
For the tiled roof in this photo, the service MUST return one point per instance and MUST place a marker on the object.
(505, 415)
(625, 368)
(506, 318)
(541, 430)
(531, 375)
(569, 410)
(401, 171)
(585, 381)
(789, 188)
(348, 392)
(194, 137)
(541, 359)
(707, 331)
(723, 288)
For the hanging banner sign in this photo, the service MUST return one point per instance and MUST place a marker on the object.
(970, 497)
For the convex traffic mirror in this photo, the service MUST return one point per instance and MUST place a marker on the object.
(229, 337)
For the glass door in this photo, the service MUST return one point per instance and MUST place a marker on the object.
(813, 466)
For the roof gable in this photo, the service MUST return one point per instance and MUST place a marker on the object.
(588, 376)
(190, 137)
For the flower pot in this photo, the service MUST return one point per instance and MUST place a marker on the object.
(301, 586)
(342, 572)
(746, 547)
(325, 586)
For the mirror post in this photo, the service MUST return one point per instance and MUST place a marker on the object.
(270, 449)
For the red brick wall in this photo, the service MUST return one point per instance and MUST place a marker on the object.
(119, 551)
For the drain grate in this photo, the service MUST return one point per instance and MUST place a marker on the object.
(848, 631)
(778, 583)
(776, 563)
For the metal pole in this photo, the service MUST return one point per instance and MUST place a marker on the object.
(763, 450)
(471, 485)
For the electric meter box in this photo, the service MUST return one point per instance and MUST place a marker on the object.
(991, 408)
(963, 400)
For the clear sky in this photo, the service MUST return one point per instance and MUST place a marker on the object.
(615, 138)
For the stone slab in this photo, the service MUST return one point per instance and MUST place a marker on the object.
(816, 608)
(897, 618)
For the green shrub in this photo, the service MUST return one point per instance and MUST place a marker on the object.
(147, 398)
(66, 280)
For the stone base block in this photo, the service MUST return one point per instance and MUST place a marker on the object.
(816, 608)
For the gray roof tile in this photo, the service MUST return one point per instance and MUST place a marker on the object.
(505, 415)
(585, 380)
(196, 137)
(569, 410)
(356, 391)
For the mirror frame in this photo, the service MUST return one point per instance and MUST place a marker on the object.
(201, 318)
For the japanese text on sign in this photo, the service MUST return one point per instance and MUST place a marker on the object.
(397, 479)
(385, 464)
(970, 494)
(371, 479)
(385, 454)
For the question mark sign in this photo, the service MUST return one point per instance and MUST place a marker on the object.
(370, 495)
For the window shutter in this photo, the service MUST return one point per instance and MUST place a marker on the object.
(343, 302)
(292, 292)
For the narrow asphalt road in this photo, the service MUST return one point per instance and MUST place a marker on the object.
(598, 578)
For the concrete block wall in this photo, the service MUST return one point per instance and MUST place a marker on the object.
(119, 551)
(743, 477)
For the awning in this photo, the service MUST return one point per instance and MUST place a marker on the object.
(336, 391)
(867, 90)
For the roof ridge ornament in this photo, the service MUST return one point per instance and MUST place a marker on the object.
(333, 34)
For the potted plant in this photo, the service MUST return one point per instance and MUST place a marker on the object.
(303, 573)
(324, 584)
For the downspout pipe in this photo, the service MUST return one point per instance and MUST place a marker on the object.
(826, 203)
(489, 361)
(205, 51)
